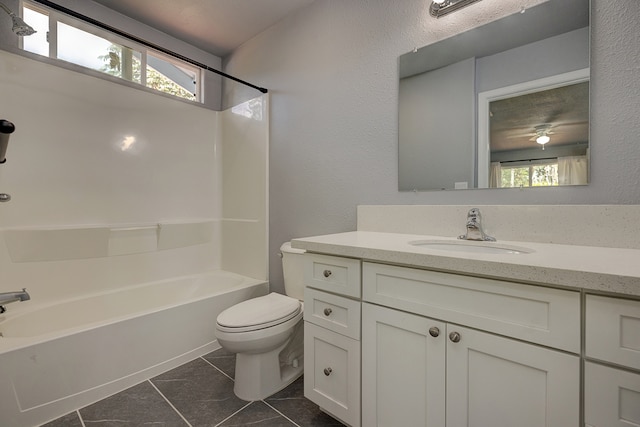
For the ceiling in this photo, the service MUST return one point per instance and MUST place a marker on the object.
(215, 26)
(565, 110)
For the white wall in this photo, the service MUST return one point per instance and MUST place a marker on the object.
(331, 69)
(245, 167)
(93, 155)
(68, 165)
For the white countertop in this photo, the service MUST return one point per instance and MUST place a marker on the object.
(578, 267)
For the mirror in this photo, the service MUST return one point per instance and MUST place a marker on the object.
(475, 110)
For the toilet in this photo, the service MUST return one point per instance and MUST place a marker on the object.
(266, 333)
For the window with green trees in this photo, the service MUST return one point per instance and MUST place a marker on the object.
(530, 175)
(63, 38)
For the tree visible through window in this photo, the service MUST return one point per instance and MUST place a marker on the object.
(62, 37)
(535, 175)
(116, 64)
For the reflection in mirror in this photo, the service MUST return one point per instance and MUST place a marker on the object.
(472, 106)
(536, 134)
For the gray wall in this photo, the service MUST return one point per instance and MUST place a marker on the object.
(332, 73)
(549, 57)
(437, 128)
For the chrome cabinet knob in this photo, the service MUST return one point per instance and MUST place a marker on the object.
(327, 311)
(454, 337)
(327, 371)
(326, 273)
(434, 331)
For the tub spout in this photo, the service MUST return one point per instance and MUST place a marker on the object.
(9, 297)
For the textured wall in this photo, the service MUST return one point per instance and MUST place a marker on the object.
(332, 73)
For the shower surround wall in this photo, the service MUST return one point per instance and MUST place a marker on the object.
(111, 163)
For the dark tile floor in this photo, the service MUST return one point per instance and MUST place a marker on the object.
(198, 393)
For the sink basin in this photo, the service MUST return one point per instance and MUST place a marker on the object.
(469, 246)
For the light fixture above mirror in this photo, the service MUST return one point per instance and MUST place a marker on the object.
(440, 8)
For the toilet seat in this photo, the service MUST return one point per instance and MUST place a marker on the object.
(258, 313)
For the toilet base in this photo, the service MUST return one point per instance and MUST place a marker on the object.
(258, 376)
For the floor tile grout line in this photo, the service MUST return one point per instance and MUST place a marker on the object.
(294, 423)
(169, 402)
(219, 370)
(235, 413)
(80, 418)
(240, 410)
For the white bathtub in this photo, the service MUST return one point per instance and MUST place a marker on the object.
(59, 356)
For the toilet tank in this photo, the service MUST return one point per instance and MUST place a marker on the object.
(293, 270)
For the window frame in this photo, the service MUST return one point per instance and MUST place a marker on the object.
(530, 164)
(56, 17)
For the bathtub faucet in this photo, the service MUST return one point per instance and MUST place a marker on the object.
(9, 297)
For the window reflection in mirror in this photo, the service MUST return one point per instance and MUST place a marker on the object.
(443, 134)
(533, 131)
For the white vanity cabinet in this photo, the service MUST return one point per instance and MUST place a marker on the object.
(612, 370)
(403, 367)
(420, 371)
(332, 335)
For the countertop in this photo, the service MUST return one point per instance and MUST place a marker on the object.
(592, 268)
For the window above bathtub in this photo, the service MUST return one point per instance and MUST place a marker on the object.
(64, 38)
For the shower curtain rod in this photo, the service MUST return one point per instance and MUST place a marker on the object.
(529, 160)
(144, 42)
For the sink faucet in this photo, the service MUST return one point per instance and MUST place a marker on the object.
(9, 297)
(474, 227)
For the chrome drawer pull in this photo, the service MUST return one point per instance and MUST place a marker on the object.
(327, 371)
(327, 311)
(454, 336)
(326, 273)
(434, 331)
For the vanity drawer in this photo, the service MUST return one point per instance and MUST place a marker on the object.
(332, 372)
(339, 314)
(612, 330)
(333, 274)
(536, 314)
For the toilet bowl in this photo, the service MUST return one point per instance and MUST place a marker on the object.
(266, 333)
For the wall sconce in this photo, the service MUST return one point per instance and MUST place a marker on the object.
(440, 8)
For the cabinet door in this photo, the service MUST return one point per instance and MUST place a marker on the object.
(611, 397)
(403, 369)
(499, 382)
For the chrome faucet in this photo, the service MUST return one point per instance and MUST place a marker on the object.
(474, 228)
(9, 297)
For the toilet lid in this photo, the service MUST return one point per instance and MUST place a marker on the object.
(261, 312)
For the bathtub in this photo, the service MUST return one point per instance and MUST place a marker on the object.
(59, 356)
